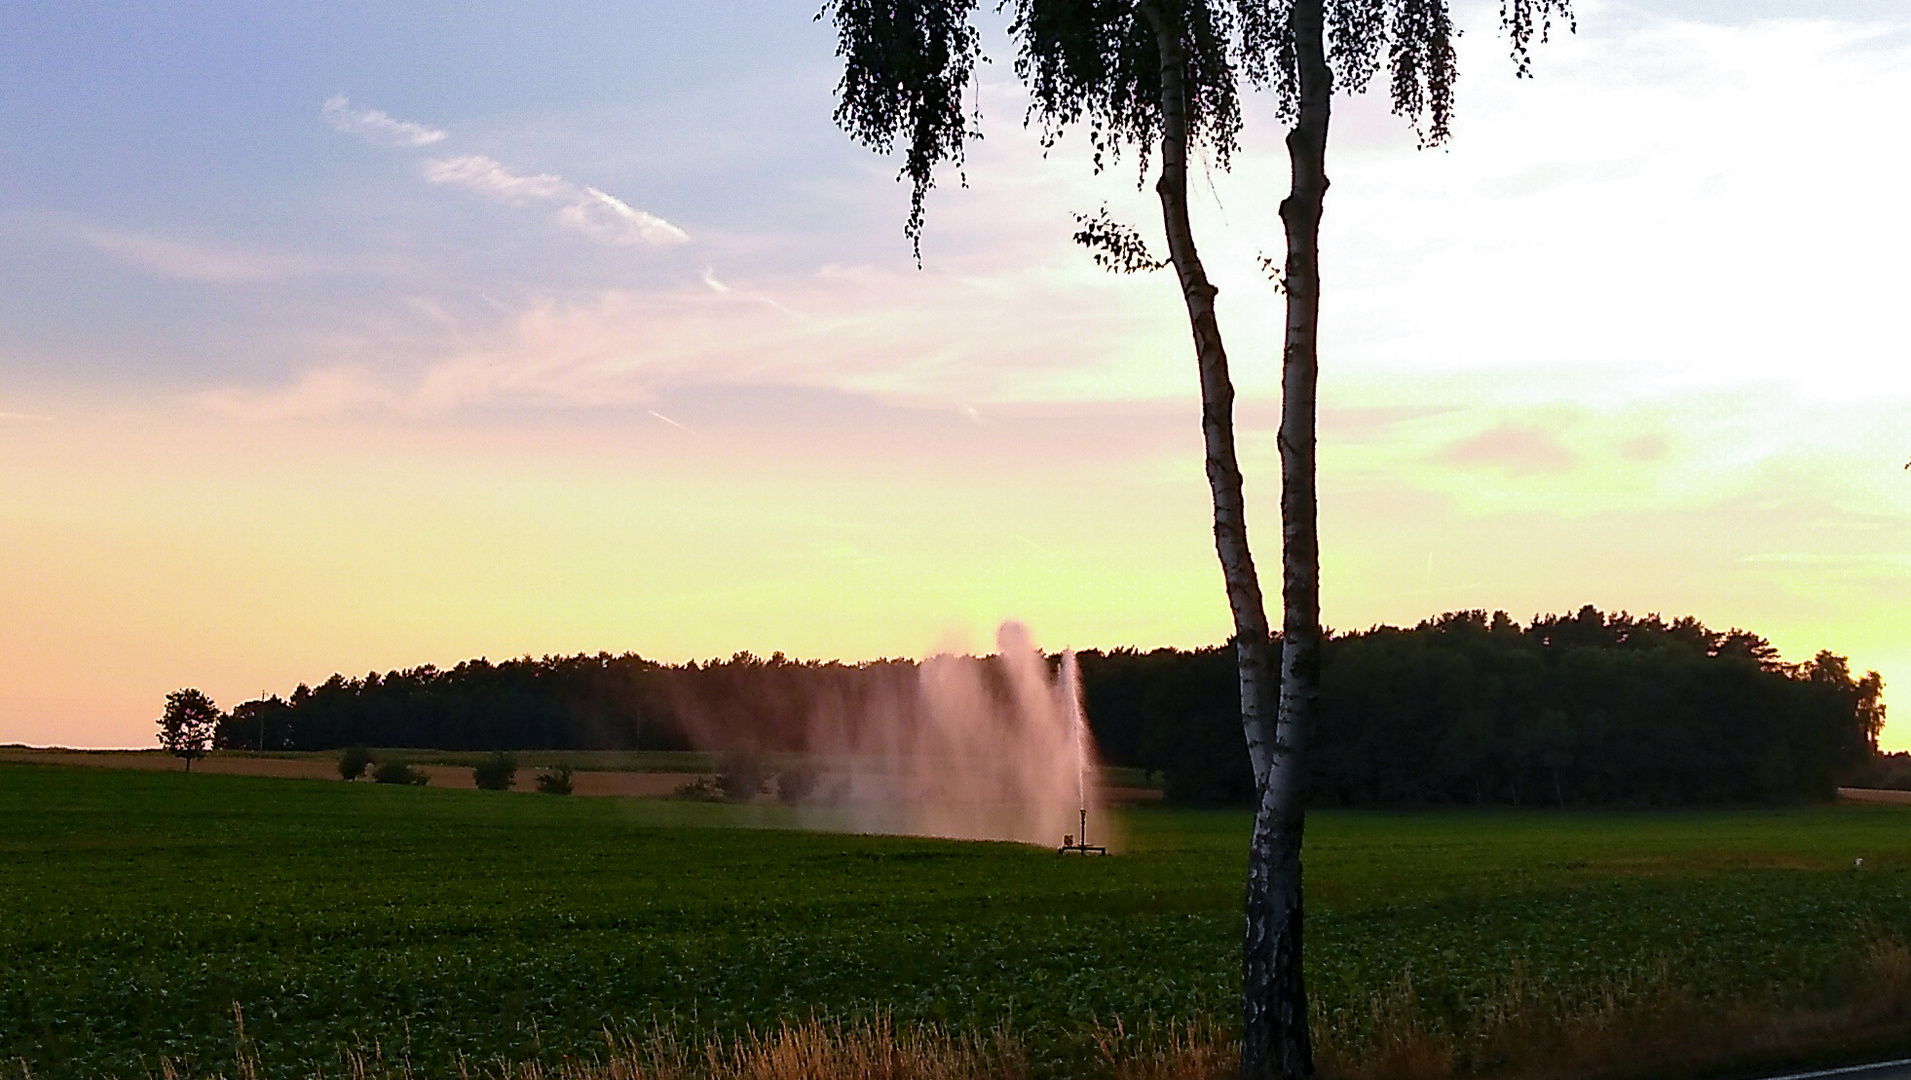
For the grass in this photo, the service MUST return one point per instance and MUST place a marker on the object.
(582, 760)
(635, 761)
(437, 927)
(641, 761)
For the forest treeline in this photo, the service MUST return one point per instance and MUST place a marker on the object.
(1469, 708)
(1577, 710)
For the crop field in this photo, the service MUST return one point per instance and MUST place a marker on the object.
(323, 761)
(441, 926)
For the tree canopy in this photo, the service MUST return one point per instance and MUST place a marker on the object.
(187, 726)
(1582, 709)
(909, 67)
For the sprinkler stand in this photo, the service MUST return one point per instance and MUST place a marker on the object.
(1079, 843)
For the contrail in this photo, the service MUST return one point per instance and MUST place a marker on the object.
(1033, 546)
(669, 421)
(709, 278)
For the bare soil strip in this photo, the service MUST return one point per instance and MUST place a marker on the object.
(627, 784)
(642, 785)
(1883, 795)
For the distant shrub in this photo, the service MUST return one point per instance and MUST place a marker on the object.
(397, 772)
(1882, 771)
(702, 789)
(496, 772)
(353, 762)
(740, 775)
(795, 785)
(555, 780)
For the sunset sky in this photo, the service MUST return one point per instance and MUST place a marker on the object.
(354, 336)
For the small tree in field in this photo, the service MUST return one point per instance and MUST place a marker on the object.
(353, 762)
(1164, 79)
(496, 772)
(186, 728)
(555, 780)
(398, 772)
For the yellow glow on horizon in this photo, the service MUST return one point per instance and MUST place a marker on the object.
(153, 551)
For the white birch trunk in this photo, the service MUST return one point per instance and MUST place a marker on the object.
(1274, 711)
(1275, 1038)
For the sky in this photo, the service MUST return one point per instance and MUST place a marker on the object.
(353, 336)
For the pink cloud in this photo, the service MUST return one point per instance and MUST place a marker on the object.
(1644, 448)
(1520, 451)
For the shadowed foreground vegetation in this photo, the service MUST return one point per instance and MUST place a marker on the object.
(380, 930)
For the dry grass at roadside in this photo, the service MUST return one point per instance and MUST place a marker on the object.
(1634, 1032)
(816, 1050)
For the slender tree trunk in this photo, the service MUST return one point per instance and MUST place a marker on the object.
(1274, 1000)
(1275, 1037)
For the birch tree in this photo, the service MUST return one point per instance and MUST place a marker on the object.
(1163, 79)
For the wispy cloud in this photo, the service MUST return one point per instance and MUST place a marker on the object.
(485, 176)
(590, 211)
(376, 126)
(1648, 447)
(893, 334)
(615, 221)
(587, 210)
(327, 392)
(193, 262)
(1520, 451)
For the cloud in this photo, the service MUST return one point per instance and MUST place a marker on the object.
(611, 219)
(597, 214)
(1520, 451)
(376, 126)
(1636, 174)
(193, 262)
(1649, 447)
(485, 176)
(898, 335)
(593, 212)
(327, 392)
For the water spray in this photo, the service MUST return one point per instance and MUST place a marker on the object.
(964, 747)
(1071, 688)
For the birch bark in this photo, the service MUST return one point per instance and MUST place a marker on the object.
(1274, 710)
(1275, 1037)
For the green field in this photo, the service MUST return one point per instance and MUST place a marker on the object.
(642, 761)
(586, 760)
(136, 908)
(628, 761)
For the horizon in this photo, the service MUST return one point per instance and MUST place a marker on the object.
(366, 339)
(961, 652)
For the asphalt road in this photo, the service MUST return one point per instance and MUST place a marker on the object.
(1883, 1070)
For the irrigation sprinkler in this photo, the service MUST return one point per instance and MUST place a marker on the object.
(1081, 846)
